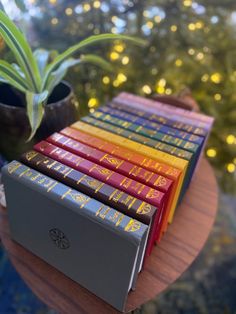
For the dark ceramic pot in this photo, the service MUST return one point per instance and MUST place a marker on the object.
(60, 112)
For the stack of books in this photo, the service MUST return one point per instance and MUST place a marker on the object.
(93, 199)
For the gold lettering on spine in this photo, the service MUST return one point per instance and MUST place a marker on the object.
(153, 194)
(76, 196)
(132, 226)
(119, 220)
(144, 208)
(30, 155)
(52, 186)
(13, 166)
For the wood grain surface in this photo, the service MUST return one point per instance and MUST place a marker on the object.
(179, 247)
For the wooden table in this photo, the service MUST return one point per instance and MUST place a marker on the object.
(178, 249)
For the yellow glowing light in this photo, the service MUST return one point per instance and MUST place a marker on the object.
(86, 7)
(211, 152)
(173, 28)
(157, 19)
(114, 55)
(187, 3)
(93, 102)
(146, 89)
(125, 60)
(68, 11)
(162, 82)
(106, 80)
(230, 139)
(53, 1)
(54, 21)
(119, 47)
(96, 4)
(216, 78)
(218, 97)
(114, 30)
(199, 25)
(168, 91)
(191, 27)
(121, 77)
(178, 62)
(146, 13)
(191, 51)
(231, 167)
(200, 56)
(91, 110)
(116, 83)
(205, 78)
(160, 89)
(114, 19)
(150, 24)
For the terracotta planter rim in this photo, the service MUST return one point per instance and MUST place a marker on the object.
(49, 105)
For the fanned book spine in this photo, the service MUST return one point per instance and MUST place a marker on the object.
(155, 117)
(134, 188)
(151, 153)
(75, 233)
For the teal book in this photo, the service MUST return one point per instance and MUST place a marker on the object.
(93, 244)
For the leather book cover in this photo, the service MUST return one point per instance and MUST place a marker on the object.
(125, 184)
(55, 222)
(149, 152)
(157, 127)
(155, 115)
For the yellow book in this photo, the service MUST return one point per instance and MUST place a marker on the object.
(153, 153)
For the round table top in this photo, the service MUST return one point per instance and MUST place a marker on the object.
(179, 247)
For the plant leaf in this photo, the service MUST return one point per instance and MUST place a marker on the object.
(35, 110)
(42, 57)
(10, 74)
(84, 43)
(94, 59)
(56, 76)
(18, 44)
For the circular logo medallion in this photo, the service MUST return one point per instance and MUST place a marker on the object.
(59, 238)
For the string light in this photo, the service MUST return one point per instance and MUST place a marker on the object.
(205, 78)
(114, 19)
(114, 55)
(116, 83)
(230, 139)
(125, 60)
(216, 78)
(150, 24)
(146, 89)
(146, 13)
(106, 80)
(86, 7)
(191, 27)
(217, 97)
(93, 102)
(173, 28)
(68, 11)
(178, 62)
(121, 78)
(231, 167)
(168, 91)
(54, 21)
(187, 3)
(96, 4)
(53, 1)
(91, 110)
(162, 82)
(157, 19)
(191, 51)
(119, 47)
(160, 89)
(200, 56)
(154, 71)
(199, 25)
(211, 152)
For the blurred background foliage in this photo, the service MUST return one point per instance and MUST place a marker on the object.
(190, 44)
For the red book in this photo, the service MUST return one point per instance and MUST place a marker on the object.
(110, 177)
(112, 162)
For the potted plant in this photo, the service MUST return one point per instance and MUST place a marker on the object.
(34, 101)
